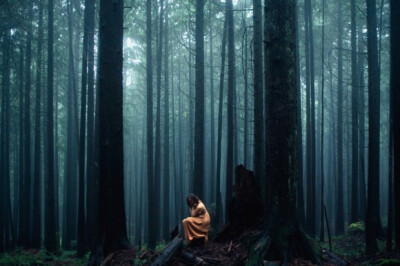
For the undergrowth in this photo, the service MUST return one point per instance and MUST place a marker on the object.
(41, 257)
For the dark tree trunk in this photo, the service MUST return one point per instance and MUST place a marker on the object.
(111, 167)
(157, 152)
(149, 128)
(212, 112)
(395, 102)
(50, 240)
(300, 178)
(37, 204)
(92, 181)
(339, 209)
(231, 89)
(5, 204)
(354, 116)
(322, 230)
(82, 137)
(219, 211)
(283, 238)
(26, 180)
(166, 209)
(198, 171)
(191, 119)
(311, 197)
(361, 105)
(71, 154)
(259, 156)
(373, 213)
(20, 145)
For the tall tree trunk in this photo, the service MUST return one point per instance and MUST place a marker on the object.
(180, 142)
(259, 158)
(198, 171)
(354, 116)
(26, 181)
(37, 204)
(395, 102)
(5, 219)
(50, 240)
(322, 230)
(212, 111)
(230, 114)
(157, 152)
(82, 137)
(339, 211)
(92, 182)
(149, 131)
(166, 198)
(283, 237)
(219, 211)
(311, 189)
(20, 145)
(111, 167)
(300, 183)
(361, 105)
(373, 212)
(71, 154)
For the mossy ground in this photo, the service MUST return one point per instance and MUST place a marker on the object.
(351, 247)
(41, 257)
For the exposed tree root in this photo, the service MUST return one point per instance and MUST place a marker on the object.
(282, 239)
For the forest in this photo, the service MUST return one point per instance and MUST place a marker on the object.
(280, 118)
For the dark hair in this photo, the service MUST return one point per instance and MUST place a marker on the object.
(192, 200)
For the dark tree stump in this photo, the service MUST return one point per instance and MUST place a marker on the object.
(246, 207)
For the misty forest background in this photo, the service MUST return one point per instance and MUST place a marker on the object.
(195, 76)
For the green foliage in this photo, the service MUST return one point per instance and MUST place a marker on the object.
(41, 257)
(355, 229)
(160, 246)
(382, 262)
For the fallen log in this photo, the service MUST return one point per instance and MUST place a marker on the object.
(171, 251)
(334, 259)
(190, 258)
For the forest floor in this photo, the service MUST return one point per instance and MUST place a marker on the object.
(350, 248)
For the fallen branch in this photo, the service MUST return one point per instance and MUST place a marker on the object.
(230, 247)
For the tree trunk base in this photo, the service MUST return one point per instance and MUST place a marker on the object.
(282, 239)
(101, 252)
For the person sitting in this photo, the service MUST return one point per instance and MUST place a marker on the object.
(196, 226)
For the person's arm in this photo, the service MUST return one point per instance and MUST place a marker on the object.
(199, 210)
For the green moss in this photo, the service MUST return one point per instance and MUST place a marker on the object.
(382, 262)
(357, 228)
(41, 257)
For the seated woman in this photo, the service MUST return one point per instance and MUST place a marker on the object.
(196, 226)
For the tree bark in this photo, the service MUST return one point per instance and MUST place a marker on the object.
(339, 209)
(373, 212)
(157, 152)
(219, 211)
(354, 116)
(166, 196)
(26, 180)
(282, 237)
(149, 130)
(259, 156)
(92, 181)
(230, 113)
(395, 102)
(111, 167)
(37, 205)
(50, 240)
(198, 174)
